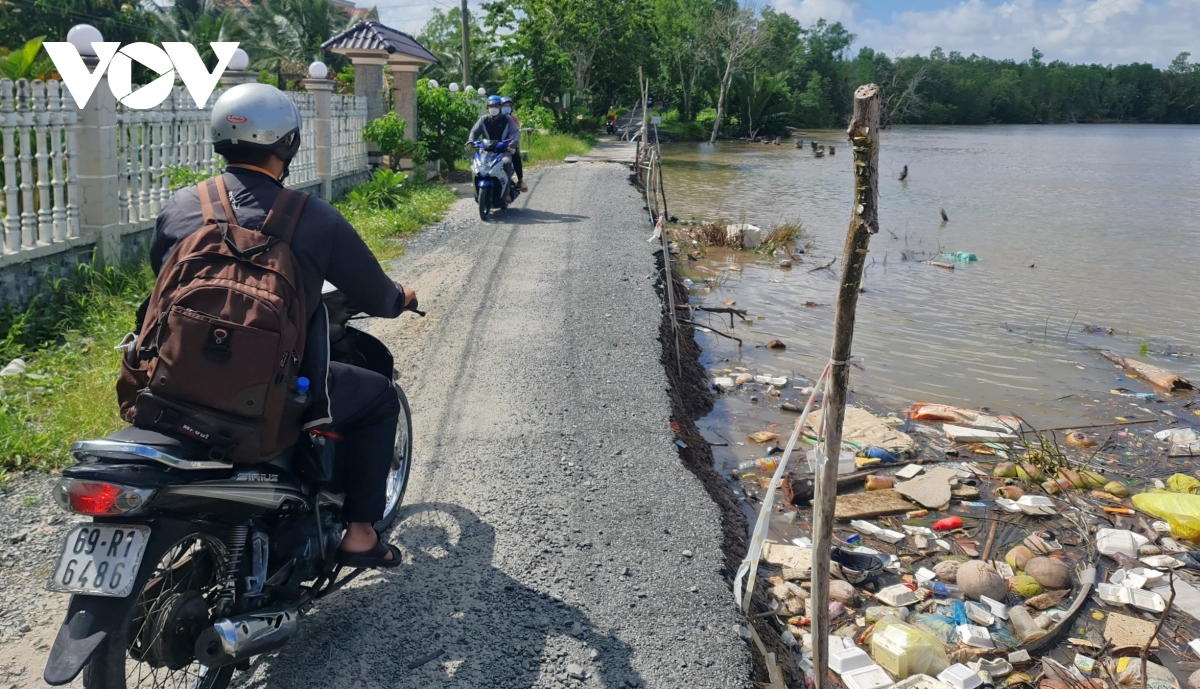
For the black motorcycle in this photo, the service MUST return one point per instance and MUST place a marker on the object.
(192, 566)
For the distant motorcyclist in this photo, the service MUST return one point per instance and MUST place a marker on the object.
(496, 126)
(506, 108)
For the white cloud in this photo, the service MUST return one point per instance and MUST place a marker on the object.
(1103, 31)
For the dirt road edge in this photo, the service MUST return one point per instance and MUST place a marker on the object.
(691, 399)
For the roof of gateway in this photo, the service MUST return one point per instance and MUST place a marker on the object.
(377, 37)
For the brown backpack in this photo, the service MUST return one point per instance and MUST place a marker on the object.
(221, 343)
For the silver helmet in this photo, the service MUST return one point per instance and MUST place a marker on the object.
(255, 117)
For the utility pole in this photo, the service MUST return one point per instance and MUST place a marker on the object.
(466, 48)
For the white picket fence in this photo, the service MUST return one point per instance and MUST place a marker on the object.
(39, 204)
(41, 138)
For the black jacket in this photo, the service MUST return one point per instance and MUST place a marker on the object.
(325, 245)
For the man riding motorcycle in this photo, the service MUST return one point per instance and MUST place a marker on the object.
(257, 129)
(497, 126)
(506, 108)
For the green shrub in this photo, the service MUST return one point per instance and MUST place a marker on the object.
(386, 189)
(446, 121)
(387, 133)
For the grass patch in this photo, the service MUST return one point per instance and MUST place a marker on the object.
(382, 228)
(66, 340)
(556, 147)
(784, 234)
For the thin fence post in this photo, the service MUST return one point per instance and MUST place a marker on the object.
(97, 172)
(864, 221)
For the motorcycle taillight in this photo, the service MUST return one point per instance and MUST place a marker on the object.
(100, 498)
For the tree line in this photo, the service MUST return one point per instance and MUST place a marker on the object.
(281, 36)
(716, 67)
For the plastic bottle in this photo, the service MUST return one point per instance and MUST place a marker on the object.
(766, 464)
(943, 590)
(1023, 624)
(301, 394)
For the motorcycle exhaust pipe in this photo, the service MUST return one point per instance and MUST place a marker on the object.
(234, 639)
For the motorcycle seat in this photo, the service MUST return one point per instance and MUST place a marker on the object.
(140, 443)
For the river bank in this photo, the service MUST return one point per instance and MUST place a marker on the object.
(788, 297)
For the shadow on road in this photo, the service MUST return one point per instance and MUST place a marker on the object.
(447, 618)
(532, 216)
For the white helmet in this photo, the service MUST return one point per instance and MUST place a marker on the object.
(255, 117)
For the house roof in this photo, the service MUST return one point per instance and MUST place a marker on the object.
(375, 37)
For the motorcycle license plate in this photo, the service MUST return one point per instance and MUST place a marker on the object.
(100, 559)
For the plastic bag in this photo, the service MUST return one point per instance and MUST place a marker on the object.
(938, 625)
(1182, 483)
(1129, 673)
(1180, 510)
(905, 650)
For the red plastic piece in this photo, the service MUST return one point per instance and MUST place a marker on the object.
(948, 524)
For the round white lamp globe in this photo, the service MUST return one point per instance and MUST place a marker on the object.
(482, 91)
(318, 70)
(433, 83)
(453, 87)
(240, 60)
(469, 88)
(82, 36)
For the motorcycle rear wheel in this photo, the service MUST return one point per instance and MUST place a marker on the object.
(131, 657)
(485, 198)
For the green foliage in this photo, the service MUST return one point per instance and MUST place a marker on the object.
(23, 62)
(442, 35)
(538, 118)
(118, 20)
(383, 229)
(180, 176)
(284, 36)
(445, 119)
(386, 189)
(387, 133)
(66, 339)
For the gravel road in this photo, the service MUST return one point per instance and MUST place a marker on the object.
(551, 535)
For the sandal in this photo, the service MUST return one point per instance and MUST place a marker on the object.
(376, 557)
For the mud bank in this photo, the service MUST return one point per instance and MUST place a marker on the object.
(692, 399)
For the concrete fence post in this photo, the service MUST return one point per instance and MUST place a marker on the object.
(369, 83)
(322, 93)
(99, 214)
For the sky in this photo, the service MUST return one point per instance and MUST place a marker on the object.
(1103, 31)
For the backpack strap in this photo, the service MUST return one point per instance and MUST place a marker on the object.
(285, 214)
(214, 201)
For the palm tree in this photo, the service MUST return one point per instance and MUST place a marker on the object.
(288, 34)
(200, 22)
(761, 97)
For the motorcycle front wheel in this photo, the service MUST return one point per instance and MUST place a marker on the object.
(397, 479)
(153, 649)
(484, 202)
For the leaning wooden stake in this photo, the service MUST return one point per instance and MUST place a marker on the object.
(864, 221)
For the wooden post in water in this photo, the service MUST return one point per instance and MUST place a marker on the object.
(864, 221)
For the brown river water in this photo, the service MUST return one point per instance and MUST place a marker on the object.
(1096, 225)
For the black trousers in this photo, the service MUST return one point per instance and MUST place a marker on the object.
(517, 164)
(365, 411)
